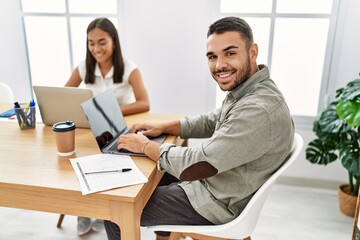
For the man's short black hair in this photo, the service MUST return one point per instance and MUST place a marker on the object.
(228, 24)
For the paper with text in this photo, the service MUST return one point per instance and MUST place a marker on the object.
(91, 183)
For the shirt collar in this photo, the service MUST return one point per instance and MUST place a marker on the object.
(98, 72)
(262, 74)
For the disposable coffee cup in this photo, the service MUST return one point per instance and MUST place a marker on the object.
(65, 137)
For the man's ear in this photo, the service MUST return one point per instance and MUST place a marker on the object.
(253, 52)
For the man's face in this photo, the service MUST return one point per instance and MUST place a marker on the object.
(230, 63)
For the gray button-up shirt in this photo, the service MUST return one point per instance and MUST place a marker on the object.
(248, 139)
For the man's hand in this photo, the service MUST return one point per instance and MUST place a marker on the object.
(137, 141)
(133, 142)
(148, 129)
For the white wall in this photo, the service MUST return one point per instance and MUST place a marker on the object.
(166, 39)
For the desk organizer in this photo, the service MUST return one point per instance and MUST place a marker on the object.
(25, 116)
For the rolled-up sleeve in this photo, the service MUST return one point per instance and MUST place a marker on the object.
(174, 159)
(236, 139)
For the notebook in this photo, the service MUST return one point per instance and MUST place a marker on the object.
(107, 123)
(57, 104)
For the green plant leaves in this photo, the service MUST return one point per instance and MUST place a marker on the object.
(349, 153)
(320, 153)
(348, 107)
(352, 90)
(328, 122)
(338, 133)
(349, 111)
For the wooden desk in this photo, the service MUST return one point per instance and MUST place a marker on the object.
(34, 177)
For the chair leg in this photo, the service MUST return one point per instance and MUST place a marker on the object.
(61, 217)
(196, 236)
(175, 236)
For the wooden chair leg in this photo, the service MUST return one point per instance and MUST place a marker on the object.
(196, 236)
(175, 236)
(61, 217)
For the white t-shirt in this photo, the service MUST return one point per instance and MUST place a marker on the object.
(122, 91)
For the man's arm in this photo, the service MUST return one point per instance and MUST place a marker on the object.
(156, 129)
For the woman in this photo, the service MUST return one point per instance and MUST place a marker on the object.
(104, 68)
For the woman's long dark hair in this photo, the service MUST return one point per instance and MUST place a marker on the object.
(118, 62)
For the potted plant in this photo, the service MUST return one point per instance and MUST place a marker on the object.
(337, 137)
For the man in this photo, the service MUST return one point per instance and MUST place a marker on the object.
(248, 139)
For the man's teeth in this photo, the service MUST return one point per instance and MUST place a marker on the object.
(223, 75)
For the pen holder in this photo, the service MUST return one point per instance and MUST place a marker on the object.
(25, 116)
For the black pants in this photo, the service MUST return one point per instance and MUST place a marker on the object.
(167, 205)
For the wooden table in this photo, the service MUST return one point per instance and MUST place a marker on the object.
(34, 177)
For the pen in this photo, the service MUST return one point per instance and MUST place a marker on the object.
(109, 171)
(31, 113)
(17, 105)
(25, 113)
(22, 115)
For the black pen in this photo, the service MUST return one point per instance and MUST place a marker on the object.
(109, 171)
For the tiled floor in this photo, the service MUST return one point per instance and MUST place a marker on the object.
(290, 213)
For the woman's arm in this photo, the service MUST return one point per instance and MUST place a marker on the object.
(142, 100)
(74, 80)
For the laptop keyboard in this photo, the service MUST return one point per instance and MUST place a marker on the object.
(113, 148)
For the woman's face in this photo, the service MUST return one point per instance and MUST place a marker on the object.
(100, 45)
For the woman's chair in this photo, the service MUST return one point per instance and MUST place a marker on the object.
(6, 94)
(242, 226)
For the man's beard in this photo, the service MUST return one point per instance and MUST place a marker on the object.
(243, 76)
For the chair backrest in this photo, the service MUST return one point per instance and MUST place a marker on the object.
(242, 226)
(246, 222)
(6, 94)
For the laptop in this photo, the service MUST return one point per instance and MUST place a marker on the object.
(107, 123)
(57, 104)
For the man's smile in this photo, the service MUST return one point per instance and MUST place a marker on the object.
(225, 76)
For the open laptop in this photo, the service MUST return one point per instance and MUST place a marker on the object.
(57, 104)
(107, 123)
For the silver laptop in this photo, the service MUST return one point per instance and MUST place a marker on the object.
(57, 104)
(107, 123)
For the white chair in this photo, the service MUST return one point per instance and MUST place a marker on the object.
(242, 226)
(6, 94)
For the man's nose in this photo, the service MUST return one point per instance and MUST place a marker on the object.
(221, 63)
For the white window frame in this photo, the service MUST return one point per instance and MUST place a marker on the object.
(67, 14)
(325, 94)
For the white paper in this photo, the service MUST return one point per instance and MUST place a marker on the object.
(103, 181)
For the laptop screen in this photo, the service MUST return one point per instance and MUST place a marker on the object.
(58, 104)
(105, 118)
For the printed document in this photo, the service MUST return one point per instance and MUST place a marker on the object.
(106, 171)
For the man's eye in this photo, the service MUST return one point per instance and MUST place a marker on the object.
(211, 57)
(230, 53)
